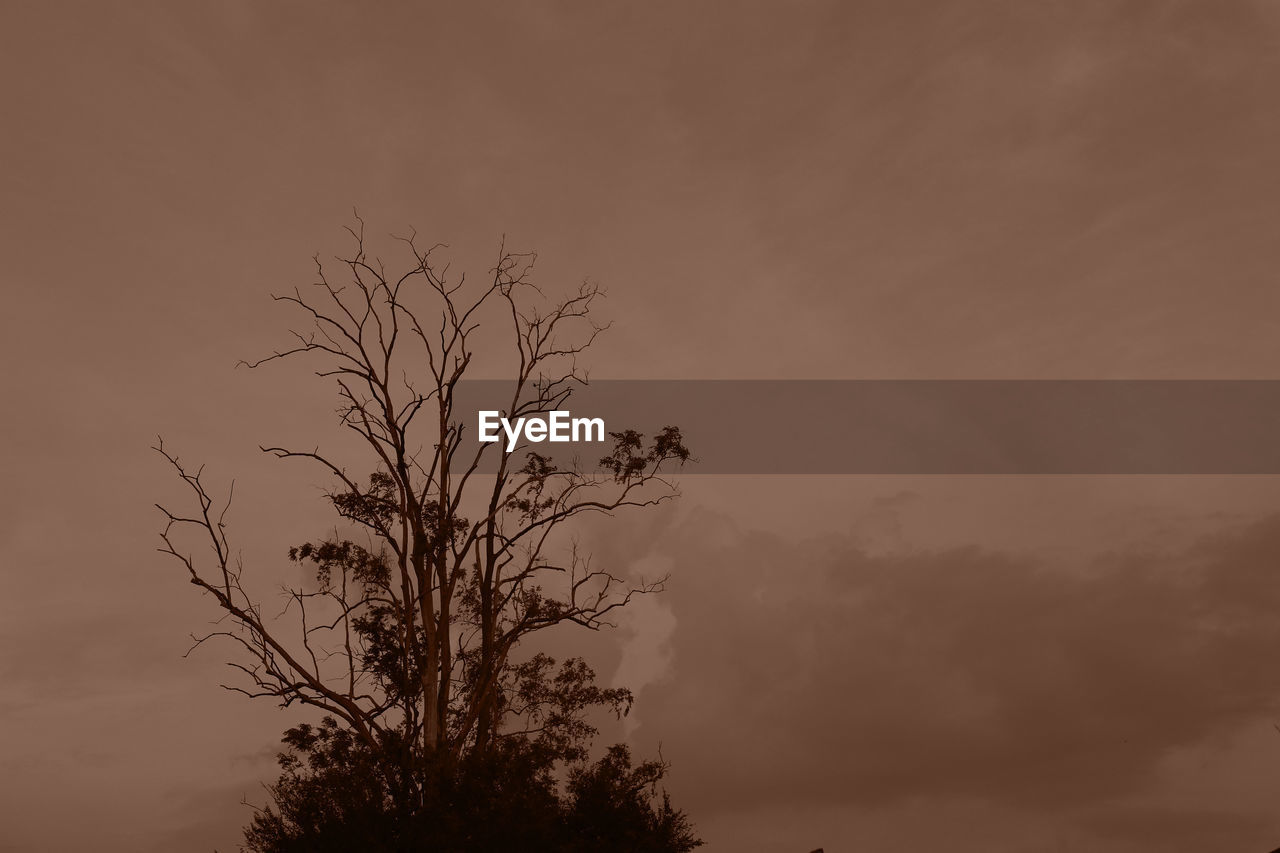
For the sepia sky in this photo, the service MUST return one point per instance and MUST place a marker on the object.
(766, 190)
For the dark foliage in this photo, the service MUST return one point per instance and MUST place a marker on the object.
(334, 795)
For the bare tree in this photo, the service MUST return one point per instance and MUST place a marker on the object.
(409, 635)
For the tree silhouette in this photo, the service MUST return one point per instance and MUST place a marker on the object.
(439, 724)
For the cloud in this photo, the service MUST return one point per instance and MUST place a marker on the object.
(816, 673)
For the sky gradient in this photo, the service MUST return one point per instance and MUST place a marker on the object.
(893, 190)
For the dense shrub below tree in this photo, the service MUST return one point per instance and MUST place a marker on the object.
(333, 795)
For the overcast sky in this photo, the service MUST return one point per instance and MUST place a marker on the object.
(781, 190)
